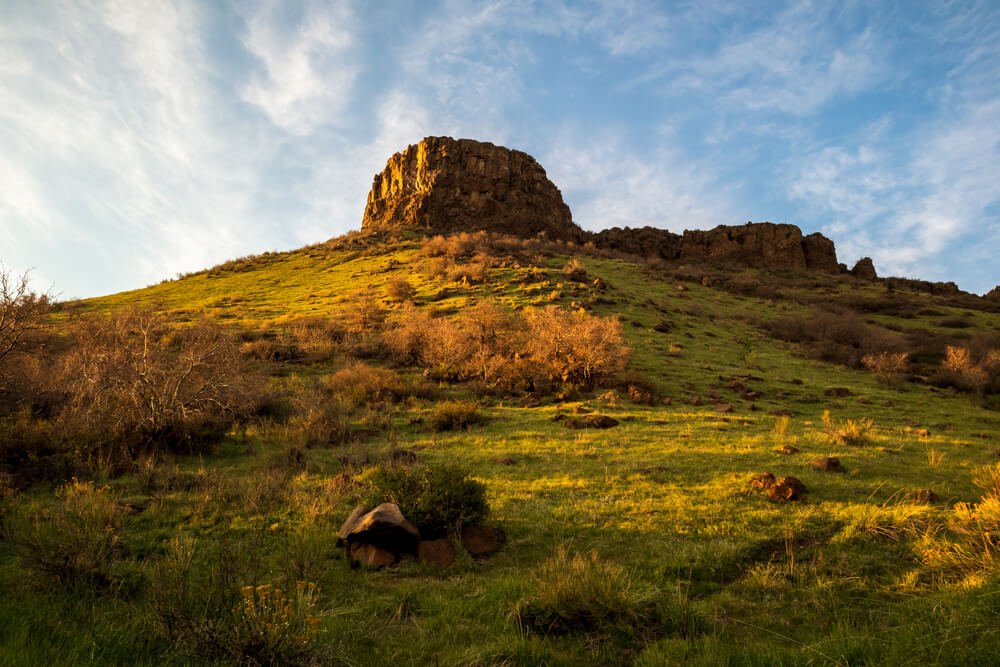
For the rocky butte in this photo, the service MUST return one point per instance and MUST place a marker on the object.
(443, 185)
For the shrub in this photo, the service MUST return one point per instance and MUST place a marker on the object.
(215, 618)
(575, 271)
(359, 383)
(585, 594)
(136, 385)
(848, 432)
(575, 347)
(22, 314)
(454, 415)
(75, 542)
(887, 366)
(436, 499)
(972, 375)
(400, 289)
(366, 313)
(320, 418)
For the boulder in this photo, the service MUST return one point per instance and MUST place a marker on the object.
(383, 527)
(482, 540)
(787, 489)
(827, 464)
(369, 555)
(436, 552)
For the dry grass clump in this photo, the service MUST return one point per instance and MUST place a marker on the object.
(848, 432)
(584, 594)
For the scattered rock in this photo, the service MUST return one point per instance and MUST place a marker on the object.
(838, 392)
(530, 401)
(505, 460)
(921, 432)
(582, 410)
(599, 284)
(787, 449)
(436, 552)
(778, 489)
(828, 464)
(663, 327)
(482, 540)
(639, 395)
(737, 386)
(723, 407)
(590, 421)
(787, 489)
(923, 496)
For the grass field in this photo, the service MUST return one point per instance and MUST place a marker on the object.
(647, 536)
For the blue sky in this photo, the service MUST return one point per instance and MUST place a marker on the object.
(143, 139)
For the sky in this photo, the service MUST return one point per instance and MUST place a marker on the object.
(142, 139)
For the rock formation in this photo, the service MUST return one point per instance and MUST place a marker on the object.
(450, 185)
(762, 245)
(444, 185)
(864, 269)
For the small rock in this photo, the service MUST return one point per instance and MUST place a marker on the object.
(482, 540)
(762, 482)
(923, 496)
(723, 407)
(590, 421)
(838, 392)
(787, 489)
(640, 396)
(737, 386)
(599, 284)
(505, 460)
(921, 432)
(436, 552)
(828, 464)
(663, 327)
(787, 449)
(530, 401)
(369, 555)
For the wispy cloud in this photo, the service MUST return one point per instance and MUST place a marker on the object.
(308, 63)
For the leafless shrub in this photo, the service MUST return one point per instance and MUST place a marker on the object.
(400, 289)
(887, 366)
(972, 374)
(22, 313)
(575, 347)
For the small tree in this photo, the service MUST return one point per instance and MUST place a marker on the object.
(21, 314)
(575, 347)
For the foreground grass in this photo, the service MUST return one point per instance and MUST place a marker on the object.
(709, 572)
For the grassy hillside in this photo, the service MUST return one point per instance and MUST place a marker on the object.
(646, 539)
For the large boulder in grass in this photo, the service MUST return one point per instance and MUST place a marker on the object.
(383, 527)
(438, 552)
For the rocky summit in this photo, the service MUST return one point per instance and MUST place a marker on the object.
(447, 185)
(443, 185)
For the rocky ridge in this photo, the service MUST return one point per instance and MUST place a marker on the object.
(443, 185)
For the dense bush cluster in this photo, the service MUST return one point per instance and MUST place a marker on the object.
(536, 349)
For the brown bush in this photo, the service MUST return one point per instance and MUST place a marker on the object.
(135, 385)
(887, 366)
(970, 374)
(575, 347)
(366, 314)
(359, 383)
(400, 289)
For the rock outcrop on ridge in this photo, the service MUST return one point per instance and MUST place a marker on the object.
(758, 244)
(443, 185)
(447, 185)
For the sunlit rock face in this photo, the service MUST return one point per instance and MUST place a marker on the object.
(757, 244)
(447, 185)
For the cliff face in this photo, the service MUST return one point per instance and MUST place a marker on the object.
(444, 185)
(449, 185)
(761, 244)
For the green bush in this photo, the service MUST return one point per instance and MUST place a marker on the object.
(454, 415)
(436, 499)
(75, 542)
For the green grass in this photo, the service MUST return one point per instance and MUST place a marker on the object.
(662, 499)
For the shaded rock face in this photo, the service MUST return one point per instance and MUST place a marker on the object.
(993, 294)
(447, 185)
(757, 244)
